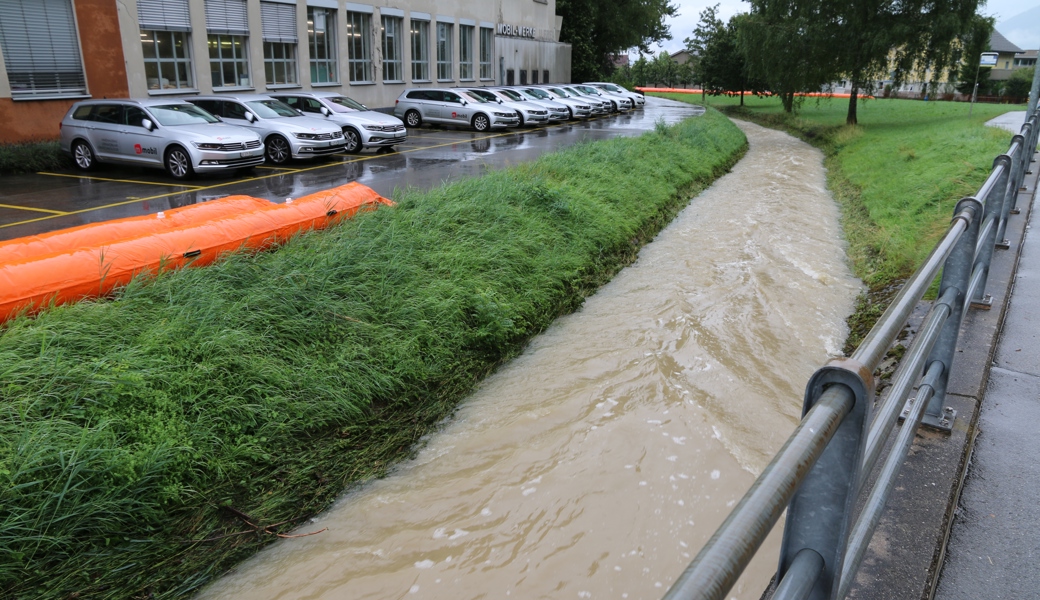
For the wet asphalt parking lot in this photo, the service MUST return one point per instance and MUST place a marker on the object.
(45, 201)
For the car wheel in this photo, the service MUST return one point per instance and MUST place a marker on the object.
(613, 106)
(352, 139)
(519, 116)
(278, 150)
(412, 118)
(83, 156)
(570, 114)
(481, 123)
(178, 163)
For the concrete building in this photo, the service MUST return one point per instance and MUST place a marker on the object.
(53, 52)
(1006, 52)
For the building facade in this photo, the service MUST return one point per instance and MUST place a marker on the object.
(53, 52)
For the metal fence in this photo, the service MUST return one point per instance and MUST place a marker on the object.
(821, 470)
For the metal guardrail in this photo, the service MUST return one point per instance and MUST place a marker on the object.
(821, 470)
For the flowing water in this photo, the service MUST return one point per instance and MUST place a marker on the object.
(596, 464)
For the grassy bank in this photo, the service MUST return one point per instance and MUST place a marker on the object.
(150, 441)
(897, 176)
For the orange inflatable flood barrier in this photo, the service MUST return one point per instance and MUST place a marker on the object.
(31, 282)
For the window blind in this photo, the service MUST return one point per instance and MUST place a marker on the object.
(163, 15)
(279, 22)
(227, 16)
(41, 48)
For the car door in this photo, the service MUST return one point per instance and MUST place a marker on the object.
(454, 108)
(105, 122)
(136, 143)
(234, 113)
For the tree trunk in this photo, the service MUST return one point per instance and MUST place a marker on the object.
(788, 100)
(742, 96)
(851, 118)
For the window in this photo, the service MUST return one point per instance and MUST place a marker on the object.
(392, 67)
(420, 50)
(40, 45)
(466, 52)
(486, 48)
(534, 76)
(321, 39)
(165, 44)
(509, 77)
(228, 33)
(523, 76)
(359, 46)
(545, 76)
(444, 52)
(280, 40)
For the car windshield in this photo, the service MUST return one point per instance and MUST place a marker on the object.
(485, 95)
(512, 95)
(271, 109)
(473, 97)
(527, 95)
(590, 91)
(537, 93)
(344, 104)
(612, 88)
(559, 92)
(181, 114)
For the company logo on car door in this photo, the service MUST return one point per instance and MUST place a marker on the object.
(457, 115)
(140, 150)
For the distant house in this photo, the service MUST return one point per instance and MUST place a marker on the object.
(1025, 59)
(681, 57)
(1006, 53)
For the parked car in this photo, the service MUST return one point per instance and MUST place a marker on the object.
(448, 107)
(558, 111)
(638, 99)
(529, 113)
(599, 105)
(617, 103)
(362, 128)
(579, 107)
(162, 133)
(285, 131)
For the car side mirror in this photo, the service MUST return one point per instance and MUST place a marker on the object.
(147, 124)
(325, 111)
(250, 117)
(464, 103)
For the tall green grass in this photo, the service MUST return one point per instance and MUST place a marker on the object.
(149, 441)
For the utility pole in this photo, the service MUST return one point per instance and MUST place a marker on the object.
(1034, 92)
(988, 59)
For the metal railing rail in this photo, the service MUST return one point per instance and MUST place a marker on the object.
(820, 471)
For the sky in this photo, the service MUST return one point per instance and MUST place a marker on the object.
(690, 11)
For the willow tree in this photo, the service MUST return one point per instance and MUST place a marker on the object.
(803, 45)
(598, 30)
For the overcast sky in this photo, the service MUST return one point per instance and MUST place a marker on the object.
(690, 10)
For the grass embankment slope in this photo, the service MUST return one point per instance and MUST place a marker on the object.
(150, 441)
(897, 176)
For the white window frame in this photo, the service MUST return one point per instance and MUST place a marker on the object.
(39, 40)
(359, 47)
(420, 44)
(155, 37)
(238, 58)
(466, 32)
(324, 70)
(393, 62)
(445, 51)
(487, 44)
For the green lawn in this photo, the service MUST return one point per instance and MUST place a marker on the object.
(149, 441)
(897, 174)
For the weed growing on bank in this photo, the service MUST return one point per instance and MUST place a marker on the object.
(32, 157)
(897, 176)
(149, 441)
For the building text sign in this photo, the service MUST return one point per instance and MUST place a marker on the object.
(514, 31)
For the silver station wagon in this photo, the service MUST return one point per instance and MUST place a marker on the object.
(448, 107)
(362, 128)
(170, 134)
(285, 131)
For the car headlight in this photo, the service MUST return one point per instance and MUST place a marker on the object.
(374, 127)
(316, 136)
(507, 115)
(202, 146)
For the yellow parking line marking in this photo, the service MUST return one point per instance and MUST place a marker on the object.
(236, 181)
(275, 168)
(118, 180)
(56, 212)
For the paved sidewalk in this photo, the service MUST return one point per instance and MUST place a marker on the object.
(994, 548)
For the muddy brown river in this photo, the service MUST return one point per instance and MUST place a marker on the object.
(596, 464)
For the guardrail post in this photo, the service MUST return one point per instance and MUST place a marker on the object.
(1010, 187)
(956, 275)
(996, 208)
(819, 515)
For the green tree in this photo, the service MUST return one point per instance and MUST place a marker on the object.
(598, 30)
(975, 41)
(721, 68)
(1019, 84)
(785, 45)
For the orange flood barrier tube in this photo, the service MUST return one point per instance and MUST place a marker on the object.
(107, 232)
(32, 283)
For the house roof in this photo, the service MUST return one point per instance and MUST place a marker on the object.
(999, 43)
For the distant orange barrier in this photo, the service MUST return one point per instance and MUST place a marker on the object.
(33, 282)
(688, 91)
